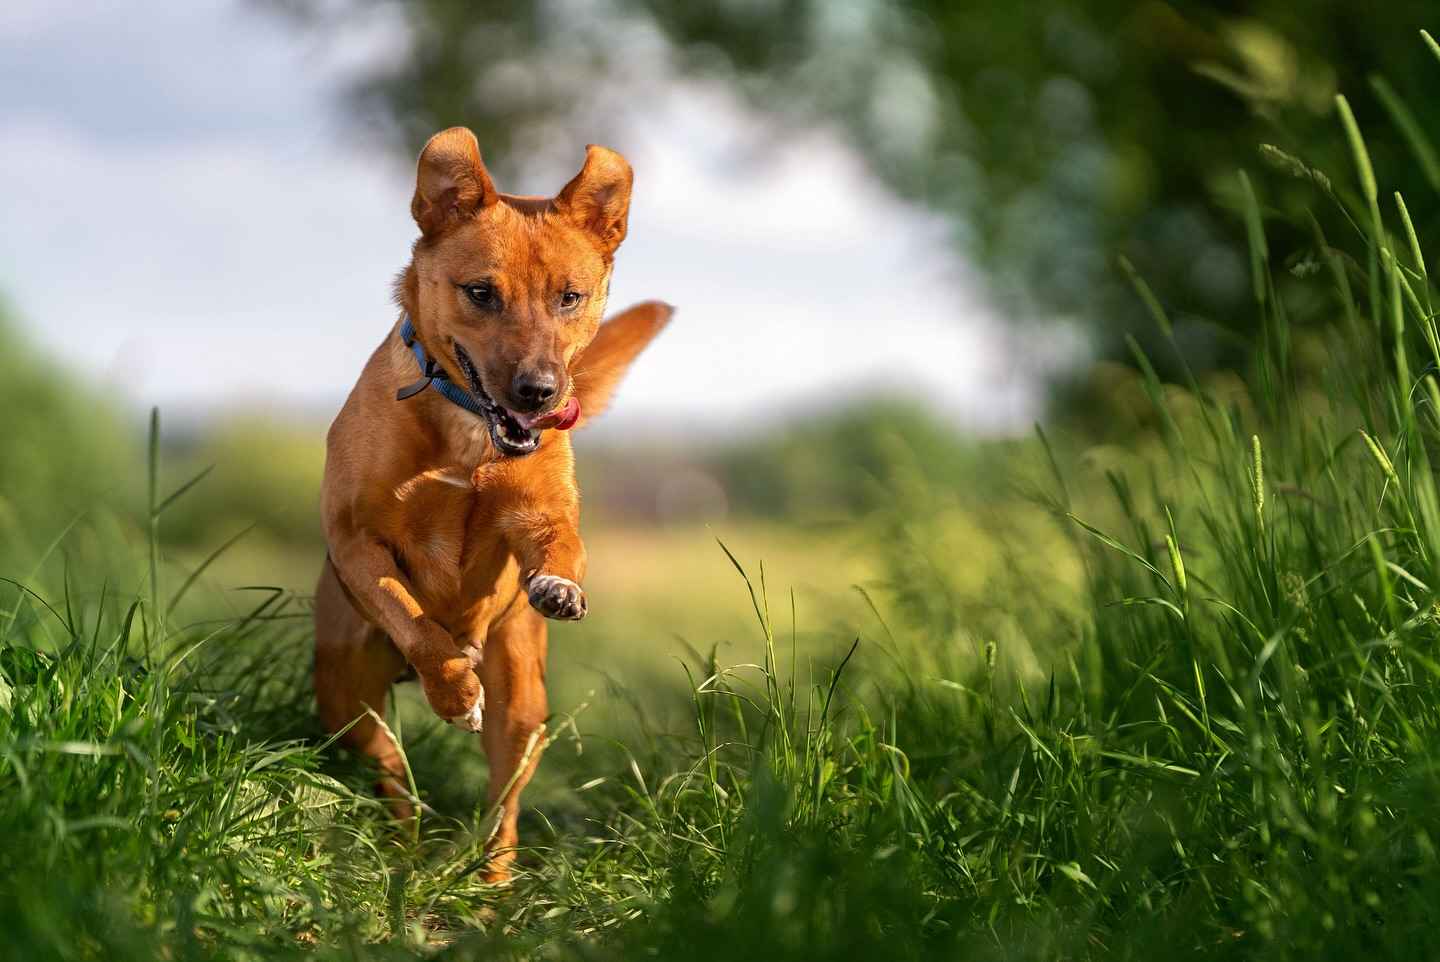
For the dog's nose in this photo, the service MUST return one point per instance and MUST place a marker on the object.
(533, 389)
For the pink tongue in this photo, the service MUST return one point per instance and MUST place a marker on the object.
(562, 418)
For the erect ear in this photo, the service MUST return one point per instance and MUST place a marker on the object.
(598, 199)
(451, 182)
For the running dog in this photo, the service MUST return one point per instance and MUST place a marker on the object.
(450, 507)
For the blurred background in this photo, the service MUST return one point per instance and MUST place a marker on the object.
(893, 232)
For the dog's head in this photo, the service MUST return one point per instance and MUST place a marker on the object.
(509, 290)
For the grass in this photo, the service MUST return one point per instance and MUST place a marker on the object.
(1188, 707)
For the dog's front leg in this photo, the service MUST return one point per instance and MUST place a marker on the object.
(368, 570)
(546, 540)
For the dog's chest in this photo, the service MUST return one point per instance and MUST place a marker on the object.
(451, 548)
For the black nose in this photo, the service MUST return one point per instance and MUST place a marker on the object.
(532, 390)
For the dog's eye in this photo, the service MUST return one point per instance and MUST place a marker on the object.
(570, 298)
(481, 295)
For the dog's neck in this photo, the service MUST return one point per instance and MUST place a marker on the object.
(460, 438)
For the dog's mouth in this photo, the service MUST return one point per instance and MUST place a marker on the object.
(513, 433)
(510, 436)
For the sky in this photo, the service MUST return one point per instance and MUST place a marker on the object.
(191, 219)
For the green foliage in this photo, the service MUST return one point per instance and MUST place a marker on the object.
(66, 452)
(834, 465)
(63, 444)
(1054, 135)
(263, 473)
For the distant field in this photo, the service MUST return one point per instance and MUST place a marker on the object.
(657, 595)
(660, 593)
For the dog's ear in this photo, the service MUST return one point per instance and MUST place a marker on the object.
(598, 199)
(451, 182)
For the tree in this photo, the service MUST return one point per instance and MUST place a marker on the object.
(1056, 135)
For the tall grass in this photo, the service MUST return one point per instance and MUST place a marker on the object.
(1226, 750)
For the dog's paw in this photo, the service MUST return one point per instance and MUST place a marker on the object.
(474, 720)
(454, 692)
(557, 597)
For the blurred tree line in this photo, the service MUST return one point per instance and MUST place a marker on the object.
(61, 444)
(1055, 135)
(68, 453)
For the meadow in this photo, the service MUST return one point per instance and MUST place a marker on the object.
(1169, 686)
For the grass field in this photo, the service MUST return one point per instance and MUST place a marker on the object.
(1176, 699)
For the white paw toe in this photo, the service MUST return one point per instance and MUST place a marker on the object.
(474, 719)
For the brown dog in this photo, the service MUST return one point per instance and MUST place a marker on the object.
(450, 505)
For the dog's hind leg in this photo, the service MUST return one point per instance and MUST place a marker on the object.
(355, 664)
(512, 671)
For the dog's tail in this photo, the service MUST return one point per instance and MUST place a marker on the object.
(600, 369)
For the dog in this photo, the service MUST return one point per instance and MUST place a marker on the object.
(450, 507)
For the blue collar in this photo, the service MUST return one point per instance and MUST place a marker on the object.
(433, 375)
